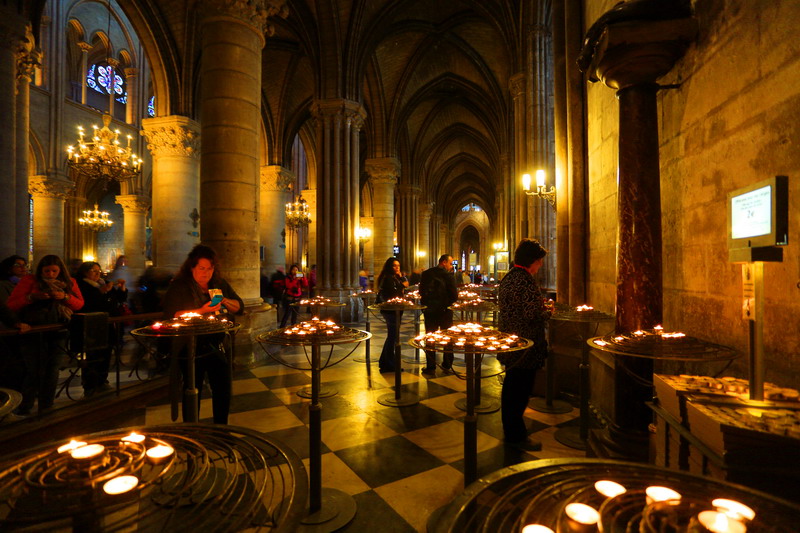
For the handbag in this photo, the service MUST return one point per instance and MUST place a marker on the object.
(45, 312)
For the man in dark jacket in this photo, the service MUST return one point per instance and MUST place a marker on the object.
(438, 291)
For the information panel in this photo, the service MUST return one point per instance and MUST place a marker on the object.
(751, 214)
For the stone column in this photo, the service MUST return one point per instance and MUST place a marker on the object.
(436, 244)
(48, 210)
(77, 241)
(275, 181)
(368, 247)
(424, 236)
(630, 57)
(131, 82)
(174, 143)
(113, 63)
(230, 115)
(134, 209)
(310, 196)
(407, 221)
(446, 242)
(338, 124)
(383, 173)
(520, 159)
(85, 48)
(26, 64)
(12, 33)
(560, 135)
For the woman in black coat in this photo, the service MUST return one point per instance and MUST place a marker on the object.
(390, 285)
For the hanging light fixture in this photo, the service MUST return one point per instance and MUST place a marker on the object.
(102, 156)
(95, 220)
(298, 214)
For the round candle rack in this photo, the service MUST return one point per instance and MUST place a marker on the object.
(658, 344)
(538, 492)
(210, 478)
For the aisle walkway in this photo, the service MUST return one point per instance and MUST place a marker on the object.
(400, 464)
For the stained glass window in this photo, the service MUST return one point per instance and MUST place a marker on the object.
(103, 79)
(151, 107)
(471, 207)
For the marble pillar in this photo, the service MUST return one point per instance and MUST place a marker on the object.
(27, 61)
(48, 214)
(338, 123)
(12, 33)
(383, 173)
(424, 236)
(407, 220)
(174, 143)
(134, 209)
(630, 58)
(275, 181)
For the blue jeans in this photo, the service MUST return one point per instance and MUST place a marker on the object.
(386, 361)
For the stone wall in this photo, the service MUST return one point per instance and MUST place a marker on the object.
(734, 120)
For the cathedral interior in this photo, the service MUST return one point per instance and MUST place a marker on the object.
(404, 128)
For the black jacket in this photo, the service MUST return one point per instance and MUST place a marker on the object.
(437, 289)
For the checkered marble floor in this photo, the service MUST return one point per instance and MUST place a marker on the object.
(399, 464)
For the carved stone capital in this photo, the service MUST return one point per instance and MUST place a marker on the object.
(276, 178)
(254, 13)
(351, 112)
(133, 203)
(131, 72)
(425, 210)
(410, 191)
(383, 170)
(44, 187)
(172, 136)
(85, 47)
(516, 84)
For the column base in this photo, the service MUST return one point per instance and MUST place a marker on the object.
(257, 319)
(619, 444)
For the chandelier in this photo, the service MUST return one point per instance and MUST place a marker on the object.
(103, 157)
(95, 220)
(298, 214)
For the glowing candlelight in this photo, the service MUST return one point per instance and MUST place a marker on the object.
(536, 528)
(601, 343)
(584, 308)
(609, 489)
(134, 437)
(581, 517)
(71, 445)
(660, 494)
(734, 509)
(716, 522)
(157, 325)
(89, 451)
(675, 335)
(120, 484)
(162, 451)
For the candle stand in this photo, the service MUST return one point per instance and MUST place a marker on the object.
(398, 398)
(538, 492)
(582, 321)
(329, 509)
(181, 339)
(471, 419)
(368, 298)
(549, 404)
(416, 359)
(316, 304)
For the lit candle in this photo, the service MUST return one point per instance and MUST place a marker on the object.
(584, 308)
(609, 489)
(157, 453)
(734, 509)
(134, 437)
(89, 451)
(601, 343)
(660, 494)
(716, 522)
(581, 518)
(71, 445)
(536, 528)
(120, 484)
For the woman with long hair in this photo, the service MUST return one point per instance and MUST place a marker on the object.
(295, 282)
(99, 297)
(49, 296)
(190, 292)
(390, 285)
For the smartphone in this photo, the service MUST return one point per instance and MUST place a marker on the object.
(299, 275)
(216, 299)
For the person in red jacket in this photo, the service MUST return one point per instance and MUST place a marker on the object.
(47, 297)
(295, 284)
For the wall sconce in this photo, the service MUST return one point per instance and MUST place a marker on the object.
(498, 246)
(421, 253)
(541, 190)
(363, 234)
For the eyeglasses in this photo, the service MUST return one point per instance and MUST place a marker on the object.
(20, 265)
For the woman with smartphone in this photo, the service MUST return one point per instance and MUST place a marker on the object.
(200, 288)
(295, 284)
